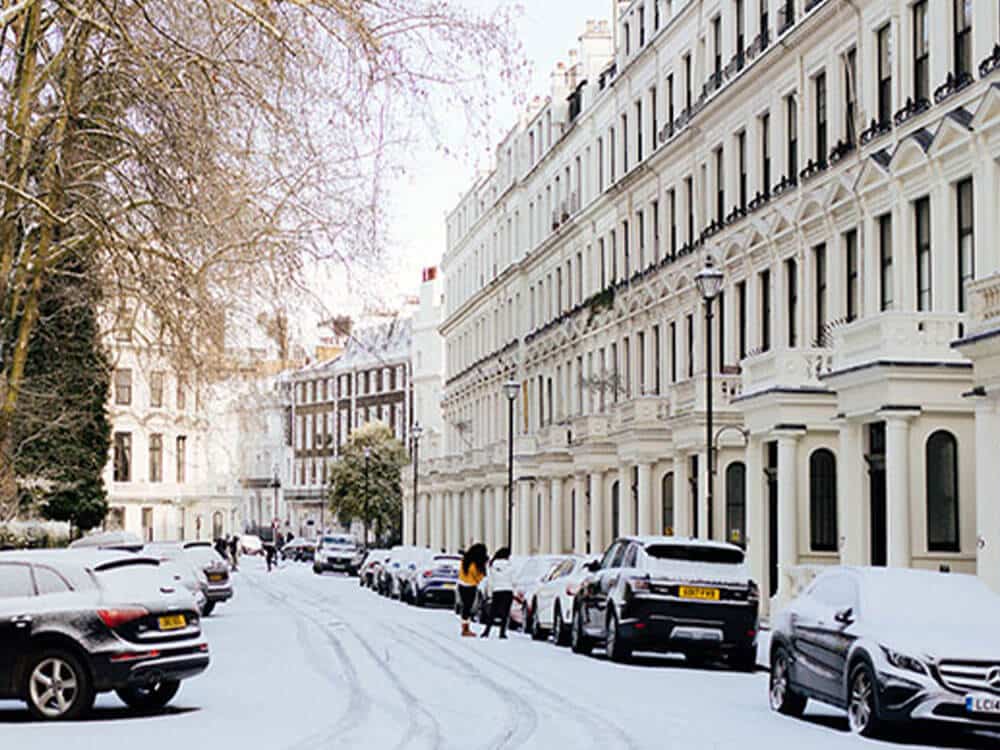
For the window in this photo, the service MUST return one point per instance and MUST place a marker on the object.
(850, 94)
(156, 390)
(741, 30)
(792, 287)
(181, 393)
(638, 131)
(942, 492)
(600, 164)
(673, 352)
(640, 228)
(123, 387)
(764, 20)
(611, 154)
(885, 261)
(765, 152)
(50, 582)
(657, 381)
(123, 457)
(717, 45)
(640, 352)
(672, 207)
(792, 117)
(765, 310)
(690, 345)
(642, 24)
(181, 459)
(819, 262)
(822, 147)
(922, 220)
(736, 503)
(654, 114)
(966, 246)
(851, 258)
(670, 99)
(720, 186)
(921, 53)
(741, 312)
(884, 75)
(655, 211)
(689, 192)
(963, 37)
(823, 501)
(667, 503)
(156, 458)
(627, 366)
(720, 301)
(624, 144)
(15, 581)
(627, 33)
(688, 83)
(741, 147)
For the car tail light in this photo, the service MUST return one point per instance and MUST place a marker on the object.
(753, 594)
(427, 574)
(571, 589)
(135, 655)
(640, 626)
(115, 618)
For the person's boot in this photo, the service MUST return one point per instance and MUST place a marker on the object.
(486, 632)
(467, 631)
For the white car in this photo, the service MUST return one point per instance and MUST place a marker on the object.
(552, 603)
(528, 576)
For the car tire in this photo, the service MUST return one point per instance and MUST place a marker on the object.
(149, 698)
(418, 600)
(618, 649)
(863, 714)
(781, 696)
(538, 633)
(208, 609)
(317, 570)
(560, 633)
(579, 640)
(45, 666)
(743, 659)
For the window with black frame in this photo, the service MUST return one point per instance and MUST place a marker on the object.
(823, 501)
(941, 465)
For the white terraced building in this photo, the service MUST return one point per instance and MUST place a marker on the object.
(840, 161)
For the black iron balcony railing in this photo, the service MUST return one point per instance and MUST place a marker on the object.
(991, 63)
(812, 168)
(912, 108)
(954, 83)
(873, 131)
(786, 17)
(759, 201)
(840, 150)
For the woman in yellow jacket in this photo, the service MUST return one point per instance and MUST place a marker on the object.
(472, 571)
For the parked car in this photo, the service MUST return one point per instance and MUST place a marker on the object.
(216, 569)
(890, 646)
(75, 623)
(115, 540)
(251, 544)
(435, 580)
(672, 594)
(398, 561)
(182, 570)
(299, 550)
(553, 600)
(371, 568)
(338, 552)
(528, 576)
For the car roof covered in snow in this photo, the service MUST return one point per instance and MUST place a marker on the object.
(90, 558)
(685, 541)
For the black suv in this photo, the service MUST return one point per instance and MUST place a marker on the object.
(669, 594)
(77, 623)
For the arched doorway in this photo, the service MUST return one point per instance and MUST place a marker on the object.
(667, 503)
(217, 525)
(197, 527)
(736, 503)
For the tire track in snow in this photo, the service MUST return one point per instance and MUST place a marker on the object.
(603, 727)
(523, 716)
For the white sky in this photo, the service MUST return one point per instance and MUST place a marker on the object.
(433, 183)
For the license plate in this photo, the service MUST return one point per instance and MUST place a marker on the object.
(448, 586)
(216, 577)
(982, 704)
(172, 622)
(698, 592)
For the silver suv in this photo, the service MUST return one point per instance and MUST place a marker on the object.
(338, 552)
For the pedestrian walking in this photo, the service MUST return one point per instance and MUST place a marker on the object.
(234, 551)
(500, 587)
(270, 554)
(471, 572)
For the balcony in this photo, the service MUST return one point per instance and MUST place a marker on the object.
(785, 368)
(891, 337)
(984, 303)
(690, 395)
(590, 428)
(553, 437)
(641, 411)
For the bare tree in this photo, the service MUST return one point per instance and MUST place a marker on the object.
(195, 151)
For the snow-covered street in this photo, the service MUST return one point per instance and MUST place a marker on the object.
(302, 661)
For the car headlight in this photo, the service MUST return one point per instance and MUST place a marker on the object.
(904, 661)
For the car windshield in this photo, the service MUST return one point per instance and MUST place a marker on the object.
(695, 553)
(536, 567)
(338, 541)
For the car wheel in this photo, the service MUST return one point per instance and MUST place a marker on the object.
(579, 641)
(862, 702)
(617, 647)
(560, 633)
(151, 697)
(58, 687)
(538, 633)
(317, 570)
(418, 599)
(208, 609)
(781, 696)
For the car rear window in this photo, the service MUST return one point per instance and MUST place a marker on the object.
(138, 581)
(695, 553)
(203, 555)
(338, 540)
(15, 581)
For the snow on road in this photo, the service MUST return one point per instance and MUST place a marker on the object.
(303, 661)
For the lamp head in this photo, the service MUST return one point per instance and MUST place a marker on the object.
(368, 452)
(511, 388)
(416, 431)
(709, 280)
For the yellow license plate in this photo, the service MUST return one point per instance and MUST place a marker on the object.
(449, 586)
(216, 577)
(697, 592)
(172, 622)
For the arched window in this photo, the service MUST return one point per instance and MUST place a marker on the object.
(667, 503)
(216, 525)
(823, 501)
(736, 503)
(615, 511)
(942, 492)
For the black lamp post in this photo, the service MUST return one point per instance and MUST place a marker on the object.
(511, 388)
(275, 485)
(709, 281)
(415, 434)
(368, 453)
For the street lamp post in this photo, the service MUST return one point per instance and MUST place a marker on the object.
(368, 453)
(511, 388)
(275, 485)
(709, 281)
(415, 433)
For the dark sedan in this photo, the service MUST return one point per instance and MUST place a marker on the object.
(435, 581)
(219, 587)
(669, 594)
(74, 624)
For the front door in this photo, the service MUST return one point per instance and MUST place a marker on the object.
(876, 494)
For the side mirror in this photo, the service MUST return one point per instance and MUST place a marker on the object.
(593, 566)
(845, 616)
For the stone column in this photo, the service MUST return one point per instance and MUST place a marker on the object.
(788, 552)
(489, 531)
(897, 487)
(757, 515)
(987, 499)
(580, 514)
(851, 473)
(476, 533)
(437, 537)
(522, 539)
(556, 516)
(644, 523)
(626, 518)
(596, 512)
(500, 516)
(682, 495)
(409, 508)
(543, 497)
